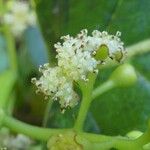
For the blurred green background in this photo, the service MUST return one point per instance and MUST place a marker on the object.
(116, 112)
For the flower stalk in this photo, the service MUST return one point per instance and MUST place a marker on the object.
(86, 88)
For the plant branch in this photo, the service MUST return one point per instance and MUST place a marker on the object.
(86, 88)
(139, 48)
(11, 48)
(35, 132)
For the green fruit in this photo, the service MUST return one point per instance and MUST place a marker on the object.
(124, 76)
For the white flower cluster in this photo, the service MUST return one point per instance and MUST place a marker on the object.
(76, 57)
(54, 83)
(19, 16)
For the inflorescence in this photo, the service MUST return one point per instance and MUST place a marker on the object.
(19, 16)
(77, 56)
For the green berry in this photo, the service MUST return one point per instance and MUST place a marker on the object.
(124, 76)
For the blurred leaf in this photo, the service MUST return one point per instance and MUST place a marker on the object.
(54, 11)
(90, 14)
(91, 125)
(7, 80)
(3, 54)
(36, 46)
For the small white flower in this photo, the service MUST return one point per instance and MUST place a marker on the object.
(112, 42)
(19, 17)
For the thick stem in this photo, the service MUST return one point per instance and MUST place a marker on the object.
(34, 132)
(86, 88)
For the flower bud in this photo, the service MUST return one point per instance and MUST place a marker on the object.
(124, 76)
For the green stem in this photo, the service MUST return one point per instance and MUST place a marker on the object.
(139, 48)
(13, 61)
(145, 138)
(34, 132)
(86, 88)
(104, 142)
(102, 89)
(9, 84)
(10, 41)
(11, 48)
(11, 103)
